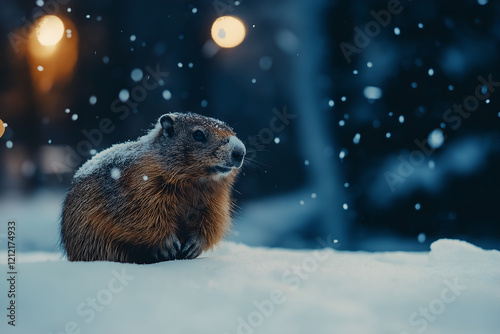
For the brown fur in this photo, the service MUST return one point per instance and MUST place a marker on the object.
(132, 220)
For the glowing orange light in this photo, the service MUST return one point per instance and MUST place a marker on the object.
(2, 128)
(52, 51)
(228, 31)
(49, 30)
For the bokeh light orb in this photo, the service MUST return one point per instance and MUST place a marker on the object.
(49, 30)
(228, 31)
(2, 128)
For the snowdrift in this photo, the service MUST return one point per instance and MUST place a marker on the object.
(454, 288)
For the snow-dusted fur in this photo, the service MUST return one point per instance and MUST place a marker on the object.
(164, 196)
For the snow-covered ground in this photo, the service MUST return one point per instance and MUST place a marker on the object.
(454, 288)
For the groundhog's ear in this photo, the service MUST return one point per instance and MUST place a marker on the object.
(167, 123)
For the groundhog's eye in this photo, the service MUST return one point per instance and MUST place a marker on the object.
(198, 135)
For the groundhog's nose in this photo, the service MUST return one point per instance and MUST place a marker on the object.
(237, 152)
(237, 156)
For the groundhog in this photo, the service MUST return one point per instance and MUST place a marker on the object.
(165, 196)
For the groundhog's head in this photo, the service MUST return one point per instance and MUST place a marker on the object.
(200, 146)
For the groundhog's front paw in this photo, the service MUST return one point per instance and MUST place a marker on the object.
(191, 248)
(171, 249)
